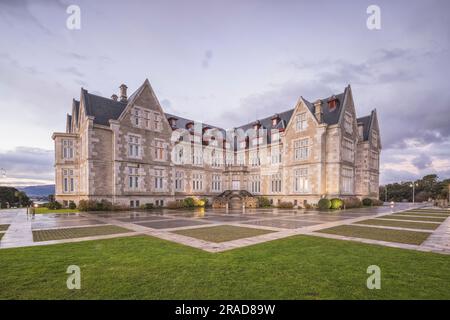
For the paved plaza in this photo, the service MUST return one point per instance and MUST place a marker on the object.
(17, 229)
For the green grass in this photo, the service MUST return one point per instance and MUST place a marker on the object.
(400, 236)
(43, 210)
(401, 217)
(4, 227)
(222, 233)
(71, 233)
(401, 224)
(299, 267)
(430, 211)
(416, 214)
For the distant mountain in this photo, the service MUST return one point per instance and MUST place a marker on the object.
(38, 191)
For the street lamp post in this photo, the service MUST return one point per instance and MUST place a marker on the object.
(414, 185)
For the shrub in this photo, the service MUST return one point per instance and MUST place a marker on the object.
(55, 205)
(377, 202)
(264, 202)
(72, 205)
(205, 201)
(367, 202)
(148, 206)
(189, 202)
(336, 203)
(92, 205)
(352, 202)
(308, 206)
(324, 204)
(286, 205)
(199, 202)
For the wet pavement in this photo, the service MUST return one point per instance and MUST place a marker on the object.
(161, 222)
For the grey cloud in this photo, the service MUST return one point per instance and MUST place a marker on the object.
(422, 161)
(30, 163)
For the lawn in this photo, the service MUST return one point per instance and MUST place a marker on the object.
(401, 217)
(299, 267)
(415, 214)
(222, 233)
(400, 236)
(401, 224)
(42, 210)
(71, 233)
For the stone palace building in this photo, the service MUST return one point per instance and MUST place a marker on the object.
(127, 150)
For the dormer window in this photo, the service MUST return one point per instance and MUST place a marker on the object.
(333, 103)
(173, 122)
(275, 120)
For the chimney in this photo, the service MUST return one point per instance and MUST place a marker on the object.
(123, 93)
(318, 110)
(114, 97)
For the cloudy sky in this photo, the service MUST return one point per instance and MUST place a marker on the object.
(227, 63)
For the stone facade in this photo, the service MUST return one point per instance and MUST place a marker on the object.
(130, 152)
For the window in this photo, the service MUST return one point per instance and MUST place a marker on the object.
(159, 150)
(67, 149)
(133, 146)
(147, 119)
(254, 159)
(159, 179)
(179, 181)
(275, 155)
(135, 118)
(300, 122)
(301, 149)
(276, 182)
(301, 182)
(348, 122)
(255, 183)
(242, 144)
(197, 181)
(257, 141)
(229, 158)
(216, 158)
(178, 152)
(133, 177)
(347, 180)
(157, 124)
(68, 180)
(275, 136)
(198, 156)
(374, 159)
(216, 182)
(348, 153)
(240, 160)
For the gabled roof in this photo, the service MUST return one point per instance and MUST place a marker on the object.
(366, 123)
(329, 116)
(69, 124)
(105, 109)
(101, 108)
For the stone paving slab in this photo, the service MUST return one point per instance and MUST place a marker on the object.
(169, 224)
(146, 218)
(320, 218)
(225, 218)
(282, 223)
(64, 224)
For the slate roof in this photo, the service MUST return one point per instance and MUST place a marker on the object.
(101, 108)
(365, 122)
(105, 109)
